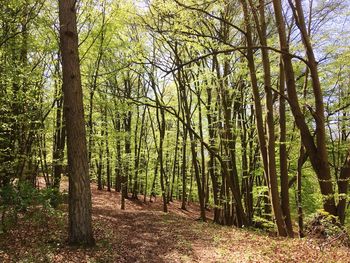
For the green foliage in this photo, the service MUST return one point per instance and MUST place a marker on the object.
(264, 224)
(122, 48)
(16, 200)
(324, 225)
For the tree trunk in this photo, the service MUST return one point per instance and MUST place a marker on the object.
(79, 213)
(99, 164)
(108, 162)
(184, 168)
(138, 145)
(118, 168)
(267, 152)
(284, 157)
(161, 125)
(343, 183)
(317, 152)
(212, 164)
(59, 136)
(301, 160)
(176, 162)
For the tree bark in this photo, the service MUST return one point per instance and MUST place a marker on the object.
(343, 183)
(267, 151)
(79, 213)
(184, 168)
(284, 157)
(317, 152)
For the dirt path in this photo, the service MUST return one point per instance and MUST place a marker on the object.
(143, 233)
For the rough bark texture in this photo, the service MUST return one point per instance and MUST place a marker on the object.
(80, 229)
(321, 162)
(317, 152)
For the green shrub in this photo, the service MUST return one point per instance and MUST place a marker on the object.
(17, 199)
(326, 226)
(264, 224)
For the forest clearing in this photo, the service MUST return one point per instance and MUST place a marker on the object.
(174, 131)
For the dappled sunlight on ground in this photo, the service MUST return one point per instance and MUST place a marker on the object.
(143, 233)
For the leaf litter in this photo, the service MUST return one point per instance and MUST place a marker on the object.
(143, 233)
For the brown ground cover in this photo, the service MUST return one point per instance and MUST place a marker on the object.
(142, 233)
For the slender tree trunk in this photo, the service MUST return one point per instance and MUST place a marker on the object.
(343, 179)
(59, 137)
(160, 115)
(193, 150)
(284, 157)
(126, 174)
(136, 148)
(93, 87)
(267, 152)
(161, 125)
(99, 164)
(211, 166)
(246, 170)
(108, 162)
(58, 153)
(343, 183)
(204, 180)
(153, 193)
(184, 168)
(127, 127)
(118, 168)
(138, 145)
(301, 160)
(146, 173)
(176, 162)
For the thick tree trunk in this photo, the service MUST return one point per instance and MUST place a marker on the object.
(317, 152)
(79, 213)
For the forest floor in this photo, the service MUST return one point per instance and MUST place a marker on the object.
(142, 233)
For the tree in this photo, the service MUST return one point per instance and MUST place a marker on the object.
(240, 106)
(80, 226)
